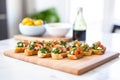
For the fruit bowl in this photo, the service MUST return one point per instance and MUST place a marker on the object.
(32, 27)
(32, 30)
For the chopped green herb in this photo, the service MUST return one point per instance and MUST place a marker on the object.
(31, 47)
(47, 44)
(56, 51)
(62, 43)
(95, 47)
(83, 47)
(44, 50)
(19, 44)
(73, 46)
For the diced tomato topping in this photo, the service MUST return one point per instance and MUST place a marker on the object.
(42, 42)
(36, 45)
(48, 47)
(26, 42)
(76, 52)
(80, 50)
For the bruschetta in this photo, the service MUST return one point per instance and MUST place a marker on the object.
(45, 51)
(86, 49)
(58, 52)
(21, 45)
(98, 48)
(75, 52)
(32, 48)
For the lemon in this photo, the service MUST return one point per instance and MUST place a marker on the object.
(26, 20)
(38, 22)
(33, 21)
(29, 23)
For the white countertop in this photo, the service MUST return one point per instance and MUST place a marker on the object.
(13, 69)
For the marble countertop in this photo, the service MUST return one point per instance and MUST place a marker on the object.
(13, 69)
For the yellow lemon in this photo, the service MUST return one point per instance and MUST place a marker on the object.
(29, 23)
(33, 22)
(38, 22)
(26, 20)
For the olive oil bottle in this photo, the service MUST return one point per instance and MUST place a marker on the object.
(79, 27)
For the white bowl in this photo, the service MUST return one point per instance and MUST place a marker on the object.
(32, 30)
(57, 29)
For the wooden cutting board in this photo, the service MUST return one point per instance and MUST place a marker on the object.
(45, 38)
(71, 66)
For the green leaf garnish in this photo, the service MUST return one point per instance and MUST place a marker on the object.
(20, 44)
(56, 51)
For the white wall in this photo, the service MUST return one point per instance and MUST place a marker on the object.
(108, 15)
(14, 16)
(62, 6)
(29, 7)
(117, 12)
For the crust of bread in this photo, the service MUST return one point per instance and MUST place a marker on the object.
(57, 56)
(74, 57)
(19, 49)
(43, 55)
(64, 55)
(87, 53)
(98, 52)
(30, 52)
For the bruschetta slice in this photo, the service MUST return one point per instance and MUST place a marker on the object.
(86, 49)
(29, 52)
(98, 48)
(58, 52)
(45, 51)
(32, 48)
(21, 45)
(75, 53)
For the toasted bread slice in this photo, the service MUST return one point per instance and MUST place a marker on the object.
(64, 55)
(98, 52)
(87, 53)
(30, 52)
(19, 49)
(74, 57)
(43, 55)
(57, 56)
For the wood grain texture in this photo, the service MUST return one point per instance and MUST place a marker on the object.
(45, 38)
(71, 66)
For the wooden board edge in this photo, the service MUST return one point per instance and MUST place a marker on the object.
(18, 37)
(90, 67)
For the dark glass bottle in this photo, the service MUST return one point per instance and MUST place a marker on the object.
(79, 27)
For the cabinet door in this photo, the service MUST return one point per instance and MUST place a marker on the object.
(3, 21)
(3, 29)
(2, 6)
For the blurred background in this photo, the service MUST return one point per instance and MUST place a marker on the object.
(100, 15)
